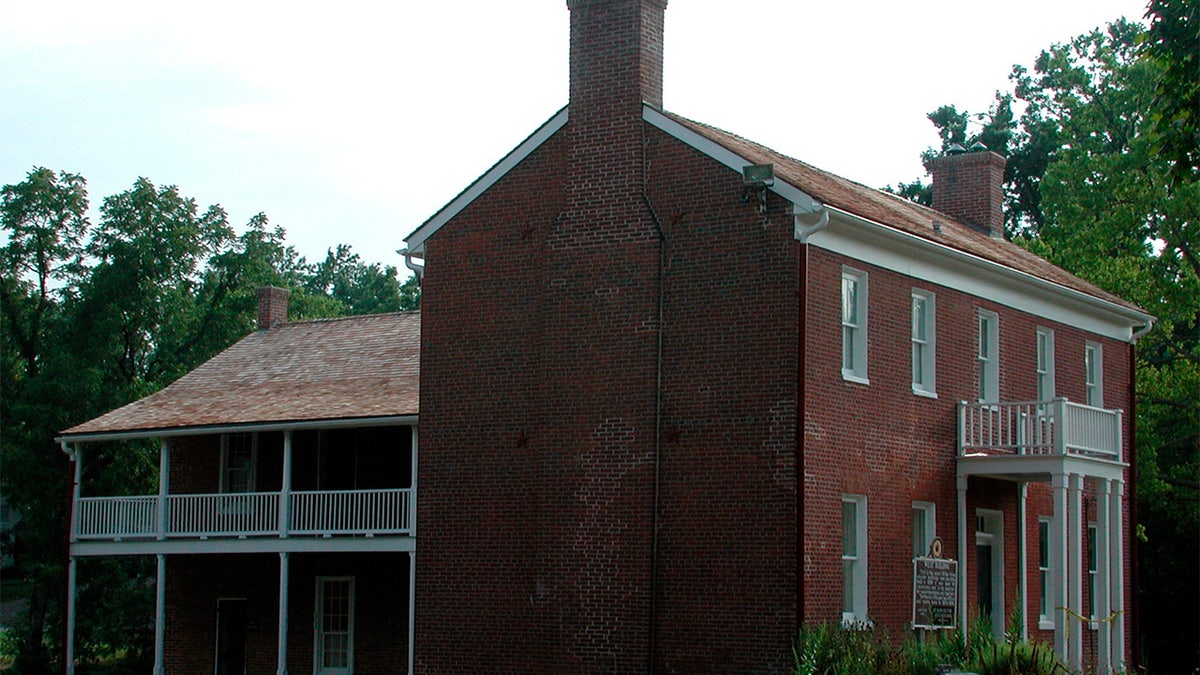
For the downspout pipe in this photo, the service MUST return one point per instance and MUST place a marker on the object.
(409, 256)
(803, 225)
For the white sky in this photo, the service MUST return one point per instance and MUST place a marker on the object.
(353, 122)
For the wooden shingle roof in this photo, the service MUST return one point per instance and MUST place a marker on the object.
(327, 369)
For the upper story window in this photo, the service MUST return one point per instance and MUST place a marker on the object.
(923, 343)
(1045, 364)
(239, 455)
(854, 325)
(1093, 371)
(989, 356)
(854, 559)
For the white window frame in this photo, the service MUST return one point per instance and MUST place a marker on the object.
(225, 486)
(924, 514)
(1091, 544)
(854, 563)
(854, 325)
(1093, 374)
(1045, 364)
(1045, 579)
(988, 354)
(924, 343)
(319, 631)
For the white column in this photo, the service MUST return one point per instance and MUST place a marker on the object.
(412, 608)
(1101, 610)
(1076, 625)
(1116, 547)
(962, 555)
(1058, 564)
(1023, 558)
(164, 485)
(69, 647)
(285, 487)
(160, 613)
(281, 659)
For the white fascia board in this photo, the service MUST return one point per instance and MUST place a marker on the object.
(416, 240)
(724, 156)
(345, 423)
(887, 247)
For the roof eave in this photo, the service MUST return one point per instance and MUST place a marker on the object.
(239, 427)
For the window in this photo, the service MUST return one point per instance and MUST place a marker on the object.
(1045, 617)
(854, 559)
(1045, 364)
(923, 343)
(1093, 372)
(854, 325)
(333, 626)
(989, 363)
(238, 459)
(924, 527)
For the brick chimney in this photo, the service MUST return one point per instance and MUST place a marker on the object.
(272, 306)
(969, 186)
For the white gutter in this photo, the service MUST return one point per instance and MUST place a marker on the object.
(239, 428)
(802, 230)
(409, 255)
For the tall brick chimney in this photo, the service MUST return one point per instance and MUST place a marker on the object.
(272, 306)
(969, 186)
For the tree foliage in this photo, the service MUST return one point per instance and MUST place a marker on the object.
(1101, 180)
(95, 316)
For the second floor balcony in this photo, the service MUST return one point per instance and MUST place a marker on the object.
(1037, 437)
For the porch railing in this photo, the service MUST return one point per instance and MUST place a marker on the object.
(1057, 427)
(247, 514)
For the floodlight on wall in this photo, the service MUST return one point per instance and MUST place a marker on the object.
(757, 178)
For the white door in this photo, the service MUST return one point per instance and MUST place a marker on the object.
(333, 626)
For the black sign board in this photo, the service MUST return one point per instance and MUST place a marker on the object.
(935, 593)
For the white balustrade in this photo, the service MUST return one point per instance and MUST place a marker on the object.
(247, 514)
(1055, 427)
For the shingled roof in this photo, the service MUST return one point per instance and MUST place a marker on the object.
(328, 369)
(897, 212)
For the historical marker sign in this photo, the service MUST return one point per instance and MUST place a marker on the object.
(935, 593)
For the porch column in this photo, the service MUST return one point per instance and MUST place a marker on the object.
(76, 455)
(1116, 548)
(285, 489)
(962, 555)
(69, 647)
(160, 612)
(1023, 558)
(281, 659)
(412, 608)
(164, 484)
(1101, 598)
(1058, 564)
(1075, 556)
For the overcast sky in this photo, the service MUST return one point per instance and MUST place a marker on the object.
(353, 122)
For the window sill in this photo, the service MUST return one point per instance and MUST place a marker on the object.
(924, 392)
(1043, 624)
(851, 622)
(849, 376)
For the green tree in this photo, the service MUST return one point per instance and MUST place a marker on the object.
(1172, 43)
(1093, 184)
(92, 318)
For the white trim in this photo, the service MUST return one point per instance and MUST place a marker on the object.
(271, 544)
(927, 345)
(858, 614)
(1093, 356)
(1044, 363)
(987, 360)
(878, 244)
(416, 240)
(319, 631)
(854, 349)
(340, 423)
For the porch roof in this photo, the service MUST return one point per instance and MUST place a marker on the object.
(362, 367)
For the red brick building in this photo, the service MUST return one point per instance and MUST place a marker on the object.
(680, 394)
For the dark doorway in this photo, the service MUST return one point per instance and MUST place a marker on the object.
(231, 636)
